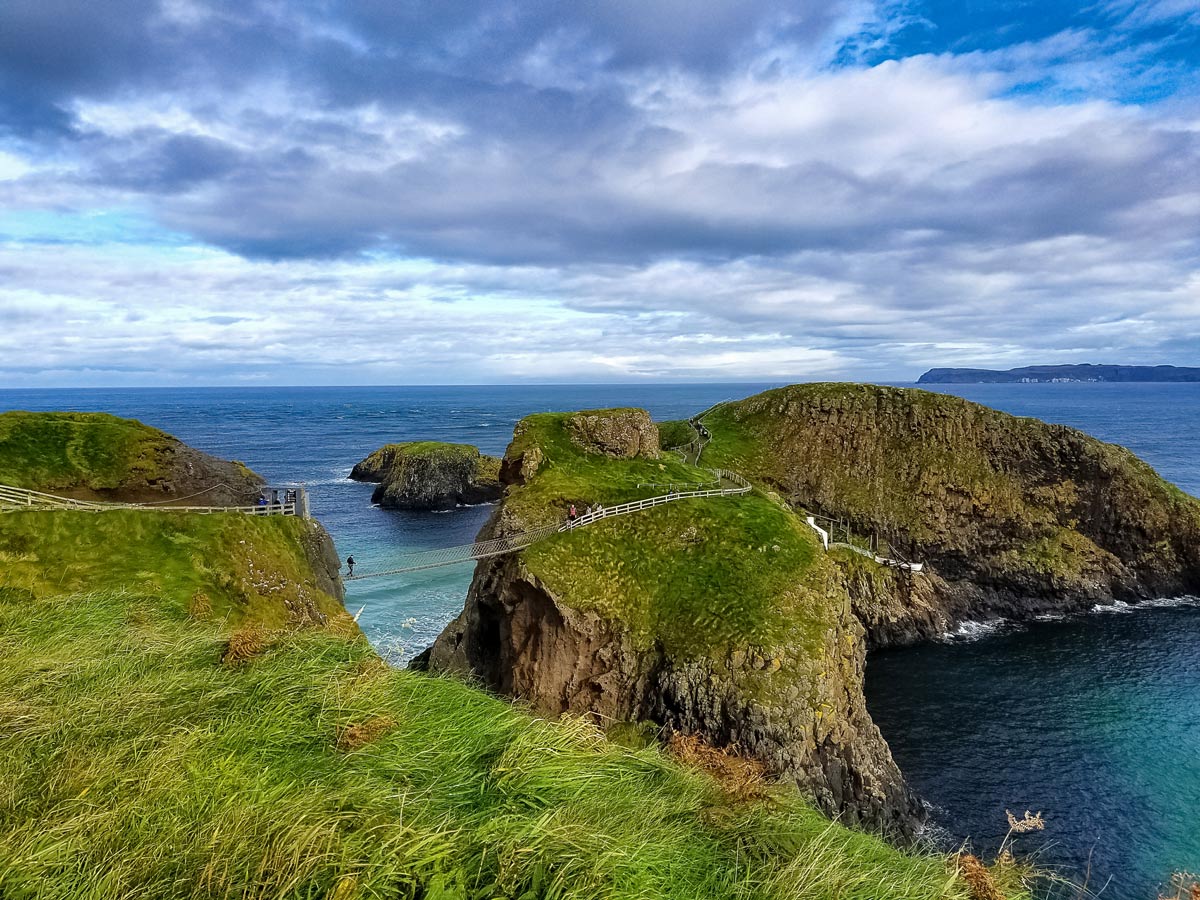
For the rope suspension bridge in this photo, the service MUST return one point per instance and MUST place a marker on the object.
(291, 500)
(448, 556)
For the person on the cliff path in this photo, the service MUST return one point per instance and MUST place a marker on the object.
(572, 512)
(350, 565)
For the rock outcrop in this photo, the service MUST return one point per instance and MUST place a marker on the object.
(620, 433)
(430, 475)
(95, 456)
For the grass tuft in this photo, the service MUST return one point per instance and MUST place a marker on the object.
(244, 644)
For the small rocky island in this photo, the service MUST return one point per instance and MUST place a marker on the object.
(430, 475)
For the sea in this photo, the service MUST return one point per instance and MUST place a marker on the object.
(1093, 721)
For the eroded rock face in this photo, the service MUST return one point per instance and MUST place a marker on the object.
(519, 640)
(430, 476)
(323, 558)
(195, 477)
(620, 433)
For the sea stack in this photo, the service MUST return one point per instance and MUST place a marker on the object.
(430, 475)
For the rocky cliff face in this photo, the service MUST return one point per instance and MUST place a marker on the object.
(1012, 517)
(430, 475)
(624, 433)
(323, 558)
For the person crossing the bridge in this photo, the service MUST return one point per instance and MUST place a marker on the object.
(572, 513)
(350, 566)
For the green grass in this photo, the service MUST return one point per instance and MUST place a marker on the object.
(675, 433)
(247, 566)
(133, 763)
(46, 451)
(698, 576)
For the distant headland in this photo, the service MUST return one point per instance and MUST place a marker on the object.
(1049, 374)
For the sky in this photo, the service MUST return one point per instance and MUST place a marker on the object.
(196, 192)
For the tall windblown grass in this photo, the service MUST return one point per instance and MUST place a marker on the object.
(135, 763)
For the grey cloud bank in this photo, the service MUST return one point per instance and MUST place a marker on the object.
(482, 191)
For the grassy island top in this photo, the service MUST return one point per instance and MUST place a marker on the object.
(44, 451)
(378, 464)
(700, 576)
(184, 715)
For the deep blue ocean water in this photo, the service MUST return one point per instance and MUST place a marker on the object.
(1095, 722)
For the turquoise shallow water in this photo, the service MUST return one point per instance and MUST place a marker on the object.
(1096, 722)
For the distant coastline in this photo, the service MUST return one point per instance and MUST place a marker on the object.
(1057, 374)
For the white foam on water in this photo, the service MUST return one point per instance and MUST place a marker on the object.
(975, 630)
(1117, 606)
(1050, 617)
(1169, 602)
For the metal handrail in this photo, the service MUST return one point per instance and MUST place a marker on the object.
(15, 499)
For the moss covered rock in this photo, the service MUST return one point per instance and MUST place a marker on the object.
(95, 456)
(430, 475)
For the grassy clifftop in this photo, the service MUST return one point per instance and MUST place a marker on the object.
(44, 451)
(135, 761)
(98, 455)
(263, 569)
(698, 576)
